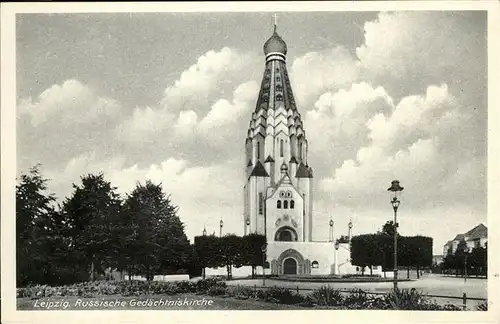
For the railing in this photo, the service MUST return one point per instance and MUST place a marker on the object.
(464, 297)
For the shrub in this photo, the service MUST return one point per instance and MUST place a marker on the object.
(327, 296)
(217, 291)
(186, 286)
(203, 285)
(282, 296)
(406, 299)
(482, 306)
(356, 297)
(158, 287)
(241, 292)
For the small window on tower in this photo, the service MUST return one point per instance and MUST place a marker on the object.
(261, 203)
(279, 98)
(285, 204)
(281, 148)
(278, 204)
(258, 151)
(292, 204)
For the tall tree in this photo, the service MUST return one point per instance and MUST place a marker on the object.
(92, 213)
(34, 209)
(232, 252)
(208, 251)
(155, 242)
(253, 250)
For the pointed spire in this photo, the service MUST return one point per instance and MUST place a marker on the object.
(269, 159)
(275, 16)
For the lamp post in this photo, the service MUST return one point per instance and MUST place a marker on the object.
(466, 251)
(336, 266)
(247, 223)
(350, 231)
(331, 229)
(263, 249)
(395, 188)
(221, 225)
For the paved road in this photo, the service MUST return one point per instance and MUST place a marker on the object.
(431, 284)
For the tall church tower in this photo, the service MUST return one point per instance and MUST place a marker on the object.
(278, 190)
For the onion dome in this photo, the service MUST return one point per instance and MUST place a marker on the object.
(275, 44)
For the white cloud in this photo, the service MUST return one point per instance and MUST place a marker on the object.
(409, 145)
(144, 123)
(200, 79)
(224, 112)
(317, 72)
(70, 103)
(411, 49)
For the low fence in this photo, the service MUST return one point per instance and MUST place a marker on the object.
(448, 299)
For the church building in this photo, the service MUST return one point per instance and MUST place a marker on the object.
(278, 190)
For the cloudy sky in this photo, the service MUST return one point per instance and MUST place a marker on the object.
(168, 97)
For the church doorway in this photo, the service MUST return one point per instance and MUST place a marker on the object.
(290, 266)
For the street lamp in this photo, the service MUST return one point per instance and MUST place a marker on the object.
(395, 188)
(350, 230)
(331, 229)
(466, 251)
(337, 245)
(247, 222)
(221, 225)
(263, 249)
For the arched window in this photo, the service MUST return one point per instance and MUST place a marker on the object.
(292, 204)
(279, 98)
(281, 148)
(285, 204)
(261, 203)
(315, 264)
(258, 151)
(300, 151)
(278, 204)
(286, 234)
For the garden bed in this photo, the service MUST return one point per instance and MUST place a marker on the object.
(217, 290)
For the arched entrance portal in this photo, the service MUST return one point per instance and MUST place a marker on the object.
(290, 266)
(290, 261)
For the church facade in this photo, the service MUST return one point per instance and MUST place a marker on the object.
(278, 190)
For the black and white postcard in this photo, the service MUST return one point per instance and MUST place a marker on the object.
(221, 161)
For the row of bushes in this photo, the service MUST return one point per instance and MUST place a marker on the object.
(355, 299)
(325, 296)
(123, 288)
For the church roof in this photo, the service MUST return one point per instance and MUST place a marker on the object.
(480, 231)
(269, 159)
(303, 171)
(259, 171)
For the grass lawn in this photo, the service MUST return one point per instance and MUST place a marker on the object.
(176, 302)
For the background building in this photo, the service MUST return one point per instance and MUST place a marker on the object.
(476, 237)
